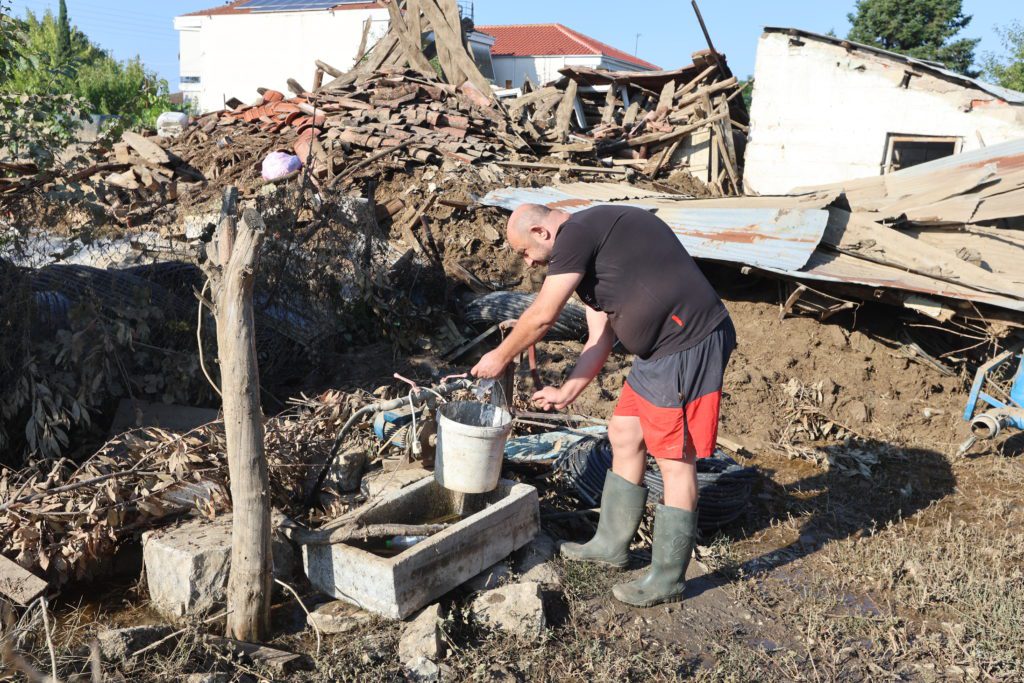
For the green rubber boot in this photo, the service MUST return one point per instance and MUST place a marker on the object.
(622, 507)
(675, 533)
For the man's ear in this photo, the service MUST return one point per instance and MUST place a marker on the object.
(541, 233)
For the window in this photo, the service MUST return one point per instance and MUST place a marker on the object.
(189, 79)
(904, 151)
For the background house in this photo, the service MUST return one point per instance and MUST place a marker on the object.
(538, 51)
(826, 109)
(230, 50)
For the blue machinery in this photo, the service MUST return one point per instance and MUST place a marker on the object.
(989, 424)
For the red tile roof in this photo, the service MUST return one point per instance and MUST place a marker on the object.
(524, 40)
(235, 7)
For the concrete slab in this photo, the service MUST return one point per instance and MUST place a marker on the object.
(383, 482)
(187, 565)
(494, 524)
(517, 608)
(337, 616)
(421, 637)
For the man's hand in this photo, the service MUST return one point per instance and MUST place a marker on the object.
(552, 397)
(490, 366)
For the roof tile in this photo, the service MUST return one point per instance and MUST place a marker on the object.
(524, 40)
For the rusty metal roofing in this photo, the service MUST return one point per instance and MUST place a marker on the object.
(1006, 156)
(780, 236)
(826, 266)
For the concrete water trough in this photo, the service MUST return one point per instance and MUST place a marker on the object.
(492, 525)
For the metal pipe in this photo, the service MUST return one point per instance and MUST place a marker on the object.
(986, 426)
(989, 425)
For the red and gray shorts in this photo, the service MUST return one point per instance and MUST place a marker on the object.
(677, 397)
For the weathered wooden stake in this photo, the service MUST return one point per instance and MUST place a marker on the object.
(233, 255)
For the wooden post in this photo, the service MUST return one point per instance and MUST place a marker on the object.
(233, 256)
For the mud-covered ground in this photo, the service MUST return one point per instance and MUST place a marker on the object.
(870, 550)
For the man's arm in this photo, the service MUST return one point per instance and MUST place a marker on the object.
(532, 326)
(600, 339)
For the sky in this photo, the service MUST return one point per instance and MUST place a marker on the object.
(664, 32)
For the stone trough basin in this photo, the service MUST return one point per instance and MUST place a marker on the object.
(492, 526)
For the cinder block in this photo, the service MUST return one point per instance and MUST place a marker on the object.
(494, 524)
(187, 565)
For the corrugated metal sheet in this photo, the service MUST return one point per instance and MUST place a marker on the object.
(835, 267)
(1006, 156)
(1004, 94)
(763, 236)
(777, 234)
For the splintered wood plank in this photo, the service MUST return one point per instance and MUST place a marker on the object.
(564, 113)
(629, 118)
(667, 93)
(441, 15)
(414, 19)
(410, 42)
(610, 102)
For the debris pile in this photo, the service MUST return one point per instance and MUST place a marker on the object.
(944, 238)
(395, 118)
(648, 120)
(65, 520)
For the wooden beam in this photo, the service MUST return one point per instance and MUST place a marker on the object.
(675, 134)
(410, 43)
(451, 36)
(330, 70)
(564, 113)
(560, 167)
(610, 102)
(667, 94)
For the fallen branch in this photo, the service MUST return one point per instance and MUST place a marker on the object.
(71, 487)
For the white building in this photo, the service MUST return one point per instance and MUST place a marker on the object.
(230, 50)
(825, 109)
(537, 51)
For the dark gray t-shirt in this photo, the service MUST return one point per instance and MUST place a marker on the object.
(635, 270)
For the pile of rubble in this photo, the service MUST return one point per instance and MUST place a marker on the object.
(394, 118)
(648, 120)
(64, 521)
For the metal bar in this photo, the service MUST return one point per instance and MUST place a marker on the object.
(707, 37)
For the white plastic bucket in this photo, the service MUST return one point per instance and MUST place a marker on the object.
(470, 445)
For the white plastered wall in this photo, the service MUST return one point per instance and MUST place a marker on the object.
(821, 114)
(238, 53)
(539, 70)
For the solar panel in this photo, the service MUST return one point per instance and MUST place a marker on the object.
(294, 5)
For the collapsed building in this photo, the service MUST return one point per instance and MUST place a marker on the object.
(863, 111)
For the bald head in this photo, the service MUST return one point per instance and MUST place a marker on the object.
(531, 231)
(525, 217)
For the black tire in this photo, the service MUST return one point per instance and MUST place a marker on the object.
(500, 306)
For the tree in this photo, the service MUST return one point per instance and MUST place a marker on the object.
(64, 31)
(918, 28)
(1009, 71)
(57, 57)
(39, 121)
(232, 258)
